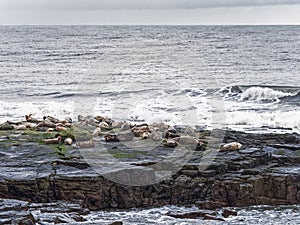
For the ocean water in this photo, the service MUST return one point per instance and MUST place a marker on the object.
(267, 215)
(241, 77)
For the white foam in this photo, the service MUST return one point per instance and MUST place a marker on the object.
(15, 111)
(159, 110)
(263, 94)
(276, 119)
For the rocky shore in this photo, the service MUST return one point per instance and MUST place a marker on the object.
(264, 171)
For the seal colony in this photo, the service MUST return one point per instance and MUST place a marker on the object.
(88, 130)
(264, 171)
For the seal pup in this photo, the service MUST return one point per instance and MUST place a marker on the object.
(233, 146)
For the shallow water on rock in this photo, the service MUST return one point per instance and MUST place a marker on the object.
(267, 215)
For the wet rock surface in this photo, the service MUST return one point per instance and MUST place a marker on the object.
(22, 212)
(265, 171)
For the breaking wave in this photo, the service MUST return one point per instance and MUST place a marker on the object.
(273, 120)
(263, 94)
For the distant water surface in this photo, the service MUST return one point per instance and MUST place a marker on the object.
(150, 73)
(158, 73)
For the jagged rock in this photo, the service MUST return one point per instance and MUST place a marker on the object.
(31, 171)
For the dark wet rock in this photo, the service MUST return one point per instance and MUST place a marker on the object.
(249, 150)
(227, 212)
(250, 172)
(117, 223)
(190, 173)
(22, 212)
(211, 205)
(292, 147)
(256, 174)
(208, 173)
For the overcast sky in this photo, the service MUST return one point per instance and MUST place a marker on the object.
(149, 12)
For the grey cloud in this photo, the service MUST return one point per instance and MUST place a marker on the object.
(132, 4)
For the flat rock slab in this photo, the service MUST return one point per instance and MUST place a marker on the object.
(112, 177)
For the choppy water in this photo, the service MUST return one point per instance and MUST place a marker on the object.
(266, 215)
(146, 73)
(178, 74)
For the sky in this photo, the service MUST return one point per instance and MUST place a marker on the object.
(148, 12)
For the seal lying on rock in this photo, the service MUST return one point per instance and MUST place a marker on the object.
(140, 130)
(170, 143)
(31, 119)
(103, 125)
(145, 135)
(233, 146)
(48, 124)
(86, 144)
(110, 138)
(20, 127)
(60, 128)
(125, 136)
(51, 119)
(68, 141)
(97, 132)
(56, 140)
(30, 125)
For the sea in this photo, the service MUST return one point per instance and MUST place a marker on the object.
(237, 77)
(233, 77)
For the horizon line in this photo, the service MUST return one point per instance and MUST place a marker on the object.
(217, 24)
